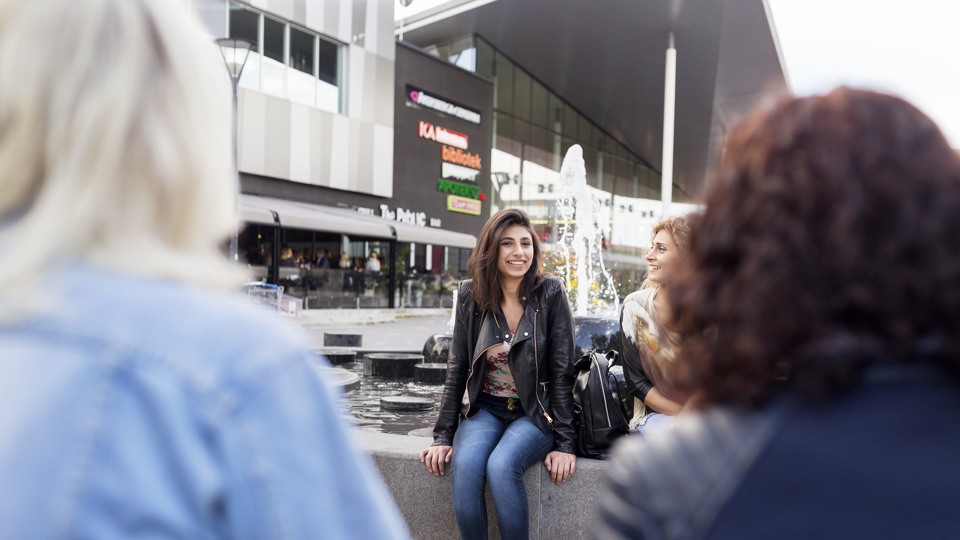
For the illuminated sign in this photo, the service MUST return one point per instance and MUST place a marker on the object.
(462, 205)
(471, 191)
(452, 170)
(459, 157)
(441, 135)
(403, 216)
(415, 95)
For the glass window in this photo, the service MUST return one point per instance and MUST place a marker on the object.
(504, 84)
(570, 118)
(273, 39)
(586, 131)
(554, 112)
(463, 54)
(538, 104)
(506, 138)
(301, 50)
(484, 58)
(521, 95)
(539, 149)
(244, 23)
(329, 62)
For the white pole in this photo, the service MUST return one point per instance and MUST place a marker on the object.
(669, 113)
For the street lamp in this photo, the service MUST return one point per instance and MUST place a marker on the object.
(235, 52)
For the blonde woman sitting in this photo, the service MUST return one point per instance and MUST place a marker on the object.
(649, 344)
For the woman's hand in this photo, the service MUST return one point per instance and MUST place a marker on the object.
(435, 458)
(561, 465)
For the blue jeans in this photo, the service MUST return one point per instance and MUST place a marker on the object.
(656, 423)
(495, 446)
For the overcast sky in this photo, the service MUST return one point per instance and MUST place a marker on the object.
(909, 48)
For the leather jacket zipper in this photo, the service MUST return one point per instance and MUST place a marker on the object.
(473, 364)
(536, 366)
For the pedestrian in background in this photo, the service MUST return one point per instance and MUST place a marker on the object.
(819, 311)
(650, 342)
(511, 361)
(139, 396)
(373, 263)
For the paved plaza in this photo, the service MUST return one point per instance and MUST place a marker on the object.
(382, 330)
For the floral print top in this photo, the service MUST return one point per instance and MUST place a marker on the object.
(497, 378)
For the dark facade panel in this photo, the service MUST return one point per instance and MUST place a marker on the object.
(442, 143)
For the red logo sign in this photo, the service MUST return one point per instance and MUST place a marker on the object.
(442, 135)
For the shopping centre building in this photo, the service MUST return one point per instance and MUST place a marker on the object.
(366, 126)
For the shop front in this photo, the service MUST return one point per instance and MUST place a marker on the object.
(340, 258)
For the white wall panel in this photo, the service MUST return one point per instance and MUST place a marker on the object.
(345, 22)
(355, 83)
(340, 153)
(252, 112)
(300, 143)
(382, 161)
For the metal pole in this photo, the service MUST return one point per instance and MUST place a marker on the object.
(228, 50)
(234, 247)
(669, 114)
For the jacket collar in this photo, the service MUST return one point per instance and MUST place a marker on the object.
(491, 334)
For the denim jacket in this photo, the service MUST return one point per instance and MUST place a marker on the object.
(142, 408)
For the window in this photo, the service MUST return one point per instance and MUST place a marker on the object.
(293, 63)
(329, 62)
(244, 24)
(273, 39)
(301, 51)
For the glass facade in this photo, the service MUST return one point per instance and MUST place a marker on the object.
(533, 128)
(288, 61)
(329, 270)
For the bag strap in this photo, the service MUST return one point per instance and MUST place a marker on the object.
(612, 357)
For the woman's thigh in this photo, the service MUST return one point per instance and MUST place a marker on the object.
(521, 445)
(475, 439)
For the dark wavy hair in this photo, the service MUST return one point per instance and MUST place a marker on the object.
(482, 264)
(830, 242)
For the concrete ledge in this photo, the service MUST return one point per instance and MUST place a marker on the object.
(351, 316)
(342, 339)
(556, 512)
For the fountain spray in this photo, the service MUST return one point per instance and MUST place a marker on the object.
(580, 242)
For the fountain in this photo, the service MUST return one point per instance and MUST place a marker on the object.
(578, 254)
(578, 259)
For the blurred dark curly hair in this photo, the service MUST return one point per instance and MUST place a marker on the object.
(830, 242)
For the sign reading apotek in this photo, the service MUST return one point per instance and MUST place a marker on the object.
(471, 191)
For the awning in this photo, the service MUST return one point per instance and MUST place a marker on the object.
(431, 235)
(308, 216)
(301, 215)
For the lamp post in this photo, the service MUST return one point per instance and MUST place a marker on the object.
(235, 52)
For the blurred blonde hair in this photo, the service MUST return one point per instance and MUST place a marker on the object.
(679, 229)
(114, 142)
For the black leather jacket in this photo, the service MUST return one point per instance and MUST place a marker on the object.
(541, 361)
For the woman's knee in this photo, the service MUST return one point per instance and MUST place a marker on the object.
(468, 465)
(504, 466)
